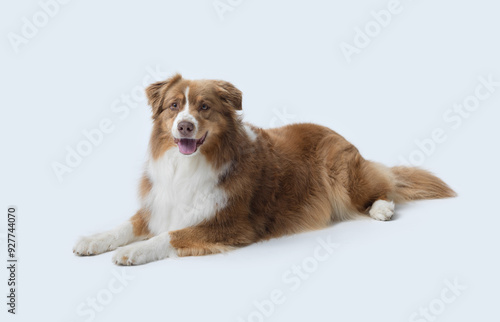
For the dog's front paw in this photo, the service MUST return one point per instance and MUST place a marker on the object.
(96, 244)
(382, 210)
(144, 252)
(136, 254)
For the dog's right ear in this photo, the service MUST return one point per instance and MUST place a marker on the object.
(156, 93)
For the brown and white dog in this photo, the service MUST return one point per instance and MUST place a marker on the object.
(213, 183)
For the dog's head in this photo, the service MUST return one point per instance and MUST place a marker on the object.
(193, 114)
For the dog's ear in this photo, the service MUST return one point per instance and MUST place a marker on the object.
(230, 94)
(156, 93)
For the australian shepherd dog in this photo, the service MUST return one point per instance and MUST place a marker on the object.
(213, 183)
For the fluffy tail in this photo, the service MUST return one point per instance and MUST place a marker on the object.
(415, 184)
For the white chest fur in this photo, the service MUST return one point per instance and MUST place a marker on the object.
(183, 193)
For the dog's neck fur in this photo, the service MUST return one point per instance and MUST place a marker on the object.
(231, 148)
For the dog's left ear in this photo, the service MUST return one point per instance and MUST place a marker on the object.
(230, 94)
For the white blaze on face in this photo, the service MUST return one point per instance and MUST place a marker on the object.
(184, 115)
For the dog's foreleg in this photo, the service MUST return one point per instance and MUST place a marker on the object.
(133, 230)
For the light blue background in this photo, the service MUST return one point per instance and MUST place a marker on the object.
(285, 56)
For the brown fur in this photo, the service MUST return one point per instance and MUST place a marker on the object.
(140, 222)
(145, 186)
(416, 184)
(290, 179)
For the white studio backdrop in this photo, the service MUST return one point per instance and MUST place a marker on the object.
(408, 82)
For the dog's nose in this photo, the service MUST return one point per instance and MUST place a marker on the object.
(185, 128)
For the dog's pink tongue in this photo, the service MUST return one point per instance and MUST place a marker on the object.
(187, 146)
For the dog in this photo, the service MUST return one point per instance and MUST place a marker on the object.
(213, 183)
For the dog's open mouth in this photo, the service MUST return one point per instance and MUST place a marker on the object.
(189, 146)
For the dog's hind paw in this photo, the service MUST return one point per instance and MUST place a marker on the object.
(382, 210)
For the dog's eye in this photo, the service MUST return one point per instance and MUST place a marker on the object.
(204, 107)
(174, 106)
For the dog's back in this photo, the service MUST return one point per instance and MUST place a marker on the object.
(310, 176)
